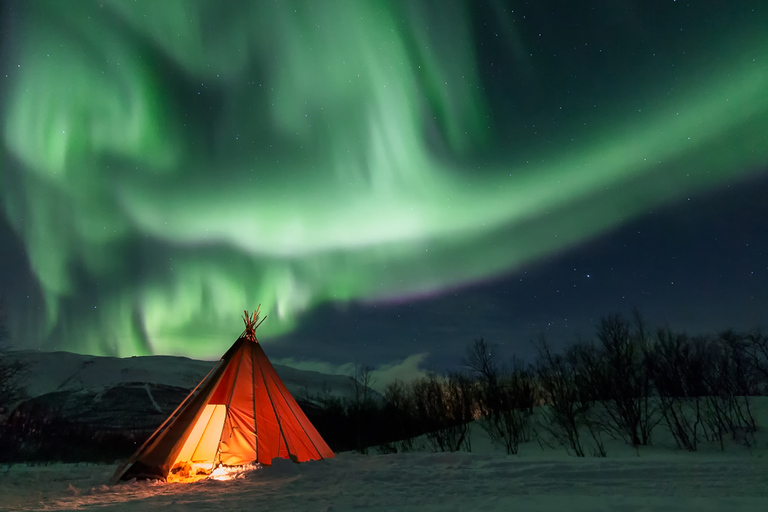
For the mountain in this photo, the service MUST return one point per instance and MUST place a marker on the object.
(49, 372)
(137, 393)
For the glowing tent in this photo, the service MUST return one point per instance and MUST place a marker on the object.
(240, 413)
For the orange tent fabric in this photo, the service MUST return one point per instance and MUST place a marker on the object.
(240, 413)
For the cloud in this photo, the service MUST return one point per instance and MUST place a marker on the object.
(406, 370)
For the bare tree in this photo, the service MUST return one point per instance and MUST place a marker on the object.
(444, 407)
(10, 390)
(589, 381)
(626, 383)
(505, 397)
(362, 406)
(11, 370)
(363, 382)
(677, 367)
(400, 410)
(482, 359)
(756, 348)
(563, 406)
(730, 381)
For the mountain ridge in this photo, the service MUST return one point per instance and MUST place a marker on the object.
(48, 372)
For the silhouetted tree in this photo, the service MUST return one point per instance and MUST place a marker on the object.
(444, 408)
(400, 411)
(505, 398)
(757, 353)
(363, 408)
(677, 366)
(730, 381)
(563, 407)
(11, 370)
(624, 378)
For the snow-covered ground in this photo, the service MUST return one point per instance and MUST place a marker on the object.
(653, 478)
(416, 481)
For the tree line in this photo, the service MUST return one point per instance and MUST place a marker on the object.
(626, 383)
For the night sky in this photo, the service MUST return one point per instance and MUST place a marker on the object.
(388, 179)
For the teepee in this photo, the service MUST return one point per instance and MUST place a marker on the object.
(240, 413)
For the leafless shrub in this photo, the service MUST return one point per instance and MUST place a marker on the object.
(400, 409)
(677, 367)
(11, 371)
(589, 379)
(704, 387)
(505, 398)
(362, 408)
(623, 376)
(730, 382)
(563, 406)
(756, 349)
(444, 407)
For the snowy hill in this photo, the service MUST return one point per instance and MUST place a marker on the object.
(136, 393)
(49, 372)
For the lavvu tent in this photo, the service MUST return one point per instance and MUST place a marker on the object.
(240, 413)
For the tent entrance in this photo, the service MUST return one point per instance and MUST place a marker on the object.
(198, 456)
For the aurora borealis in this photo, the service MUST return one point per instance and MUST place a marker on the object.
(166, 165)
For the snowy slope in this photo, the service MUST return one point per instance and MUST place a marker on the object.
(136, 393)
(64, 371)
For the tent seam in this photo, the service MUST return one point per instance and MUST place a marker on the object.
(229, 404)
(253, 395)
(299, 421)
(272, 403)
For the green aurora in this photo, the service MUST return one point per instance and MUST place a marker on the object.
(169, 164)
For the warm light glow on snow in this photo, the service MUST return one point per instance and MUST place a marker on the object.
(231, 473)
(221, 473)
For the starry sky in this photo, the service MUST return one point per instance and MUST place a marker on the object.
(388, 179)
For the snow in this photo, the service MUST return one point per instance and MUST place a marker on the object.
(152, 398)
(537, 479)
(64, 371)
(414, 481)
